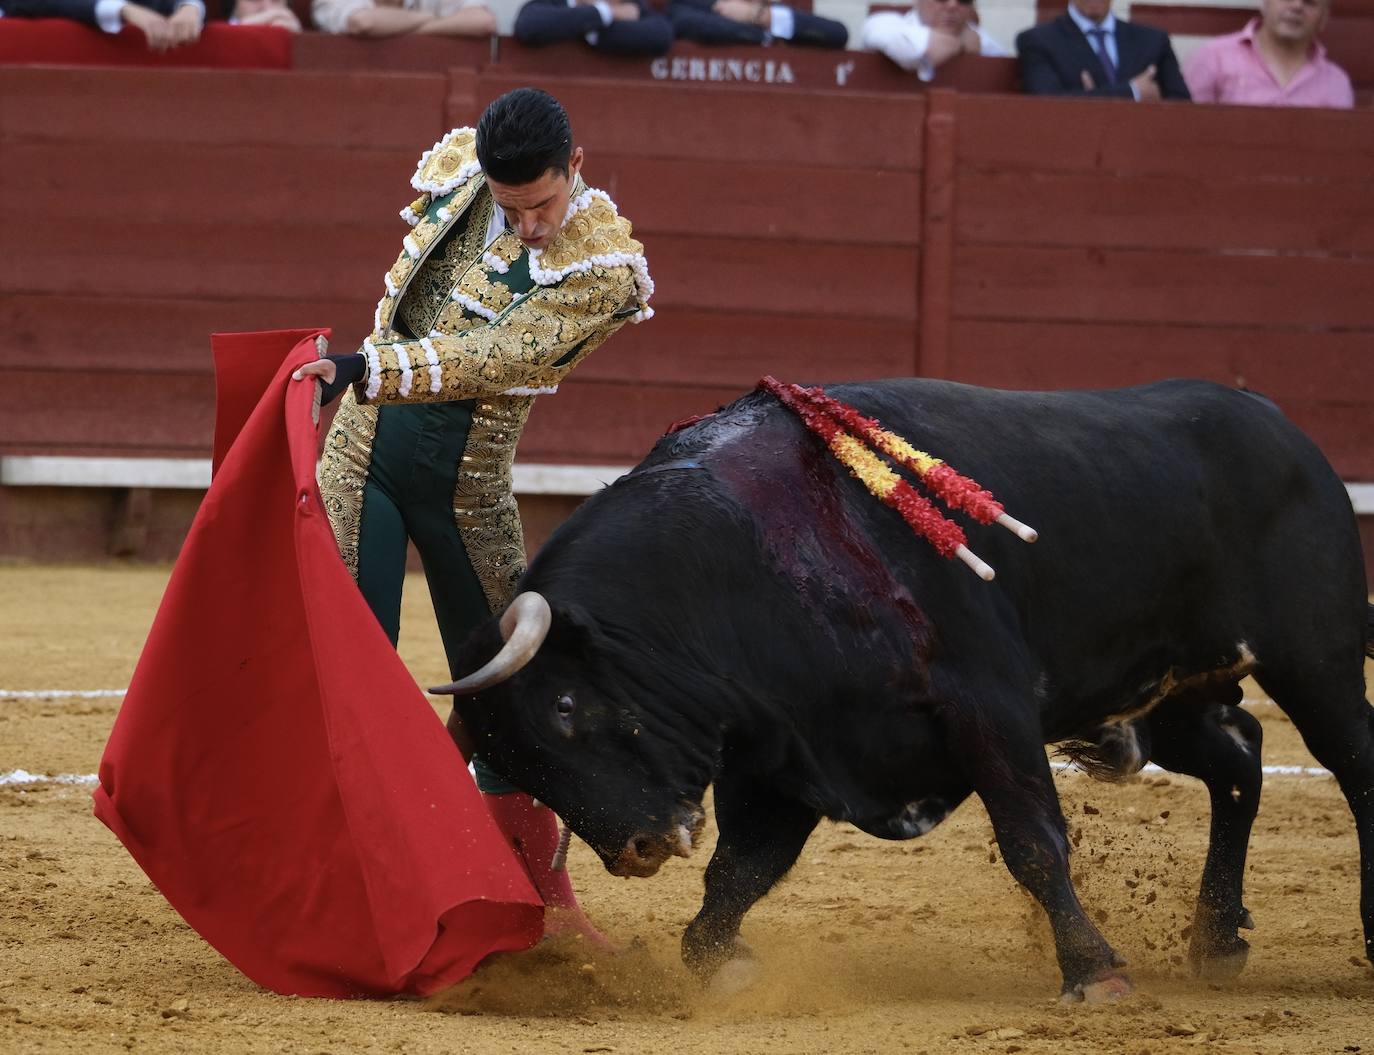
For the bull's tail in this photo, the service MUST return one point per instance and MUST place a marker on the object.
(1369, 632)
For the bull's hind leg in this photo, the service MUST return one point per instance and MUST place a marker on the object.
(1219, 744)
(760, 836)
(1327, 704)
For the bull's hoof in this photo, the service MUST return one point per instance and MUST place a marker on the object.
(1106, 987)
(734, 977)
(1219, 961)
(706, 959)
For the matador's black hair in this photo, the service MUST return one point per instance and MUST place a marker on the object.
(522, 135)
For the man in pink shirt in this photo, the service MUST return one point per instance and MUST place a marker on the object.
(1274, 61)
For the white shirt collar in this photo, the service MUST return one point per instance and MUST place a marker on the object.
(497, 224)
(1085, 23)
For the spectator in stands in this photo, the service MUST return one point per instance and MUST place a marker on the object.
(394, 18)
(627, 27)
(166, 24)
(1276, 60)
(262, 13)
(1088, 51)
(929, 35)
(752, 22)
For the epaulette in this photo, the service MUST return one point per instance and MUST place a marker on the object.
(594, 234)
(443, 168)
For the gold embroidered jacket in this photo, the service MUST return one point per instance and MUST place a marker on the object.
(589, 281)
(486, 342)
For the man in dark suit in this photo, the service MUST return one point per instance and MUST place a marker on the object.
(752, 22)
(1088, 51)
(166, 24)
(617, 27)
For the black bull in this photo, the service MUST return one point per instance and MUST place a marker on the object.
(739, 611)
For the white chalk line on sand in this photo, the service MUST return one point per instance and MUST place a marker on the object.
(23, 776)
(1269, 771)
(102, 693)
(60, 694)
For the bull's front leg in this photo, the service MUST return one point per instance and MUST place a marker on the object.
(760, 837)
(1012, 776)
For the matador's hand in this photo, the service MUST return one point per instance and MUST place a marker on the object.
(336, 372)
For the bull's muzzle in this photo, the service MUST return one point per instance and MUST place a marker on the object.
(644, 852)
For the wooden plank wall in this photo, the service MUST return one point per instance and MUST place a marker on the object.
(814, 235)
(1108, 245)
(785, 239)
(143, 210)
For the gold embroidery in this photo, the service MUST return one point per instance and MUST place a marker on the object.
(424, 233)
(448, 156)
(477, 285)
(543, 329)
(428, 293)
(596, 230)
(484, 507)
(420, 204)
(454, 319)
(401, 269)
(507, 247)
(460, 199)
(343, 473)
(385, 307)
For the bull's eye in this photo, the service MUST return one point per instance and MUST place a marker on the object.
(563, 706)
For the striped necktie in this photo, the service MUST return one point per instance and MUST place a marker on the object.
(1099, 39)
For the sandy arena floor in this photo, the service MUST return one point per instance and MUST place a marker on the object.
(925, 946)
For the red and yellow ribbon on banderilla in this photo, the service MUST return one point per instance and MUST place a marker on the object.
(855, 440)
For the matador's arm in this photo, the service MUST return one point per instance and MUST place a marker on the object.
(529, 347)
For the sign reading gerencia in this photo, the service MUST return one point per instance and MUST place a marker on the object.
(749, 71)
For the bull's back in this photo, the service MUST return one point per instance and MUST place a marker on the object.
(1158, 460)
(1177, 519)
(1170, 468)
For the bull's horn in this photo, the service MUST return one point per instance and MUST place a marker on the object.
(524, 626)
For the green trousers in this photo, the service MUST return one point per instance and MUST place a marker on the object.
(409, 496)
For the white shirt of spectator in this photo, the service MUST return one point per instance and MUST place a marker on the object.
(904, 39)
(782, 22)
(107, 13)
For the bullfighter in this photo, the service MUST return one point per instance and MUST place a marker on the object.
(513, 272)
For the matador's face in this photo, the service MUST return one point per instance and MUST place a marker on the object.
(536, 210)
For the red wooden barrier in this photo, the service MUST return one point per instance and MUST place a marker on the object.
(796, 69)
(819, 235)
(58, 40)
(1166, 241)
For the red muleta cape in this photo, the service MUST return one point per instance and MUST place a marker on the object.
(274, 769)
